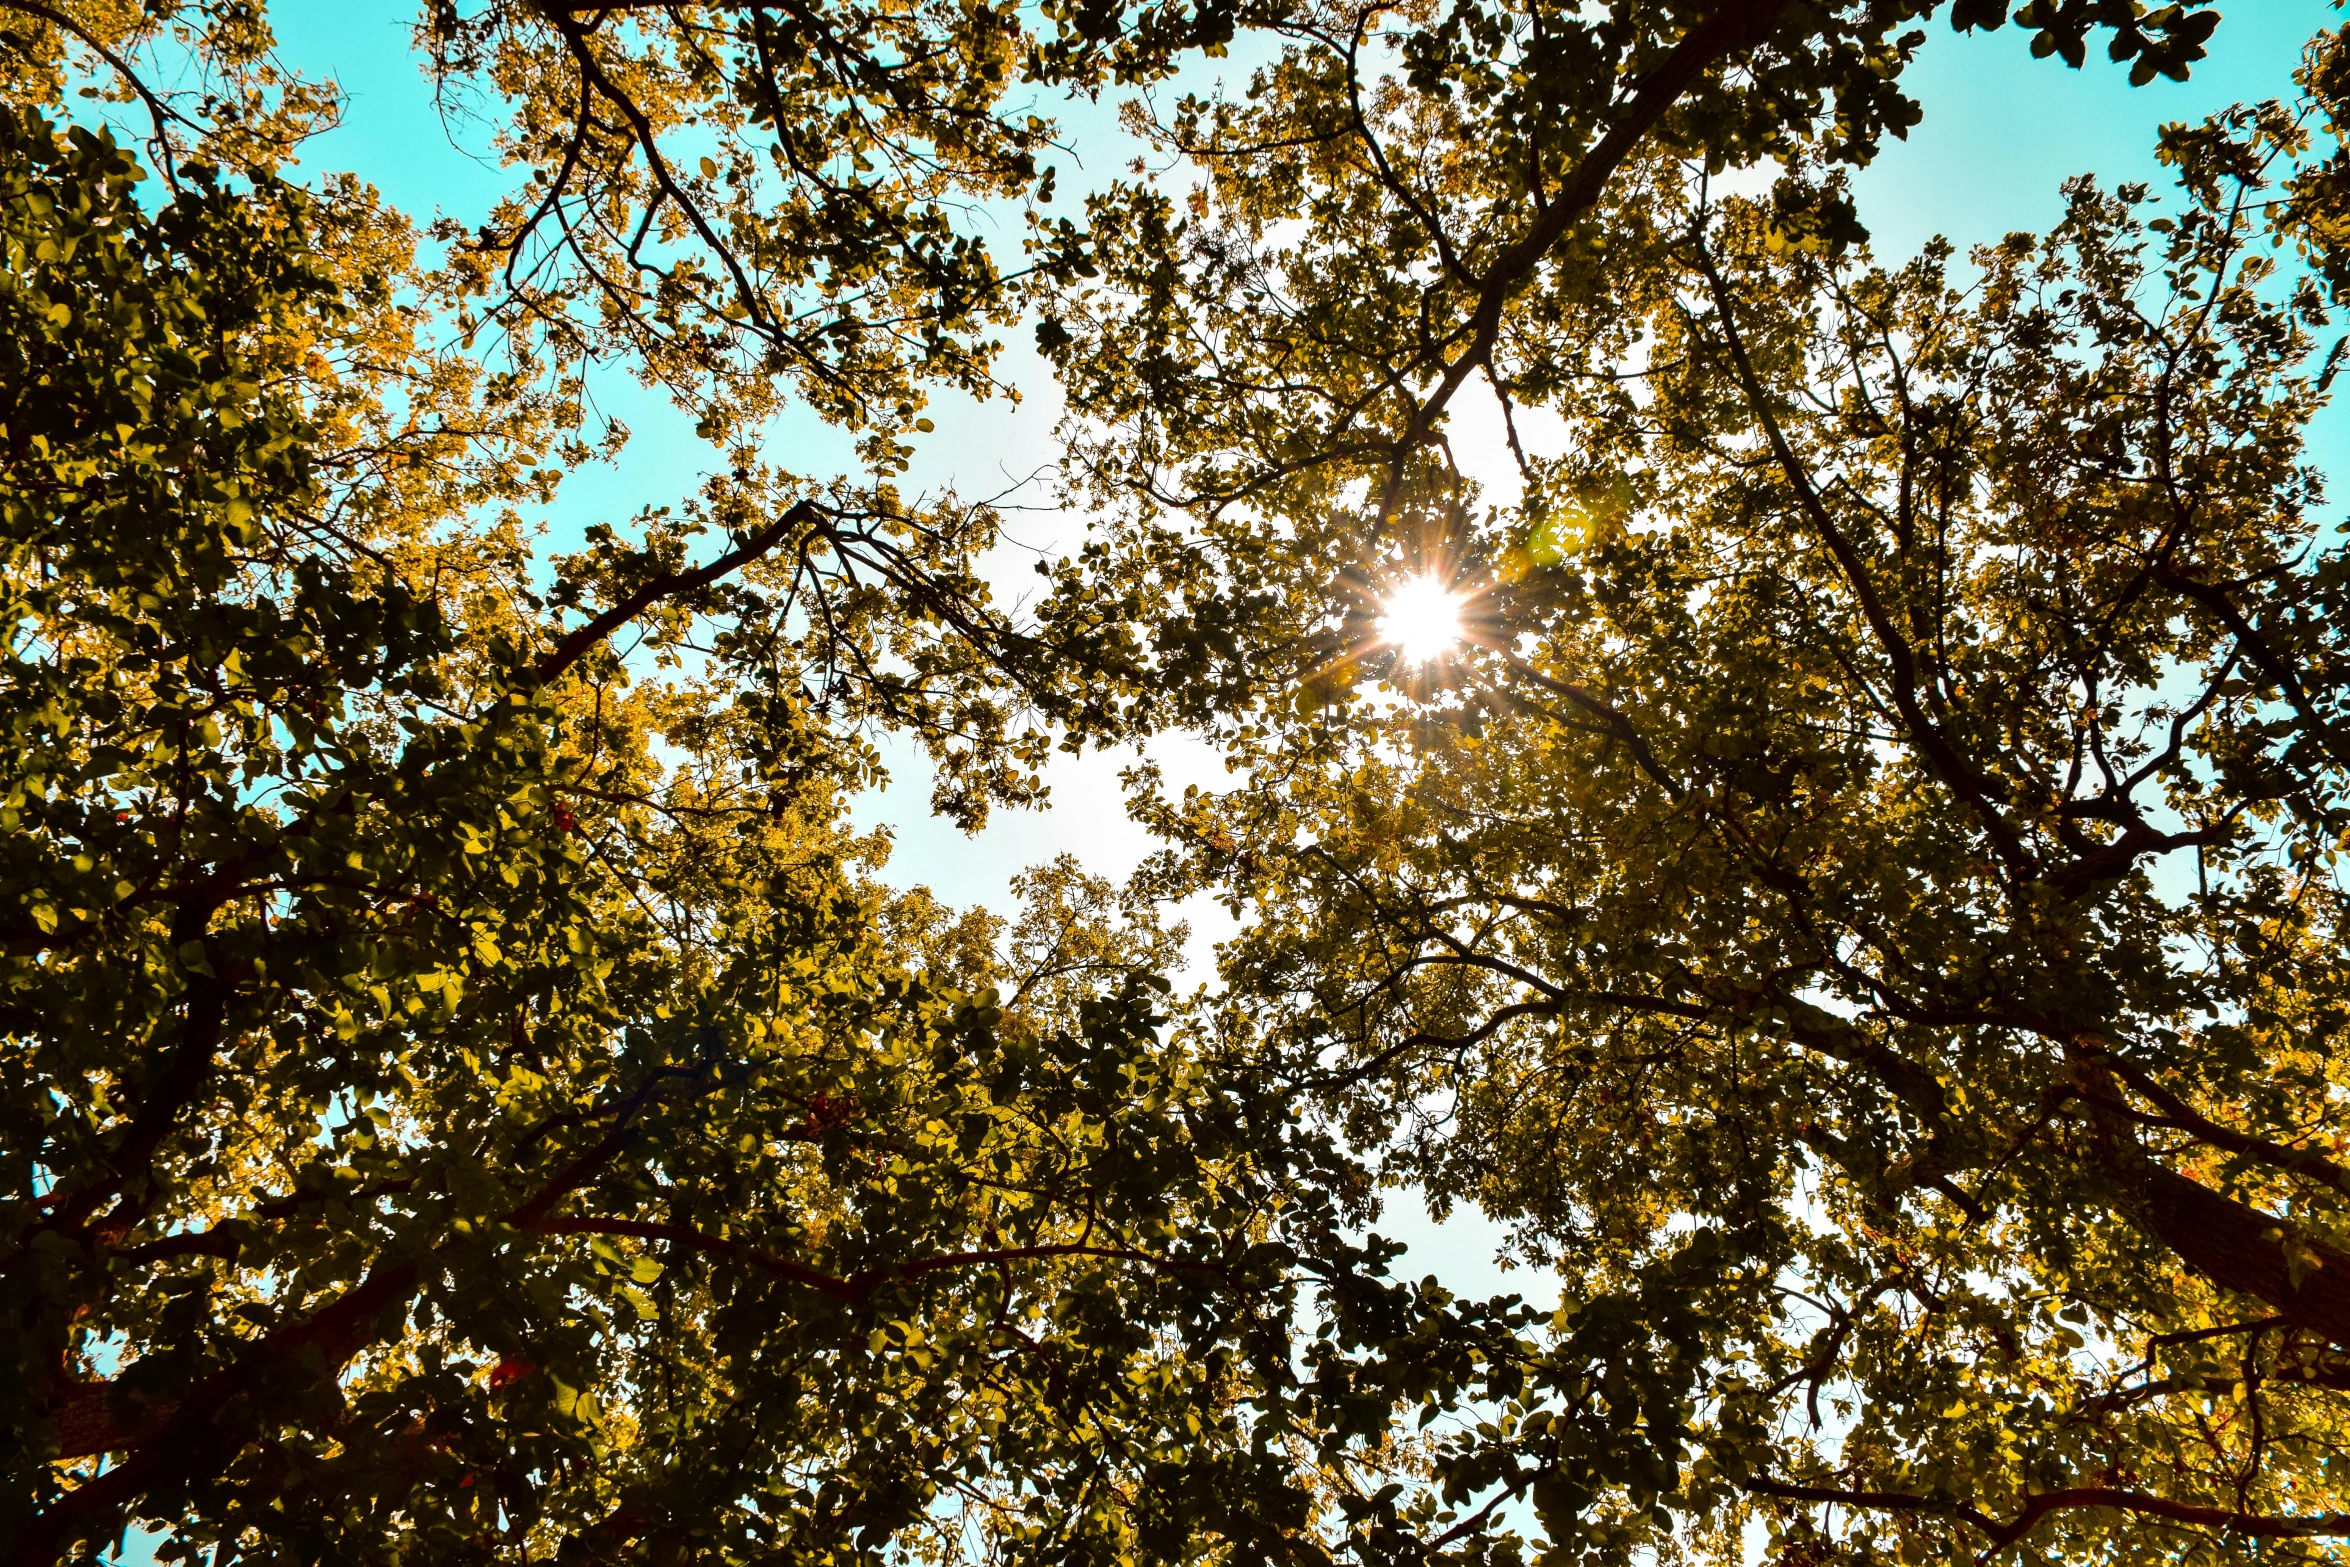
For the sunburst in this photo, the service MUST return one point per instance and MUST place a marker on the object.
(1421, 619)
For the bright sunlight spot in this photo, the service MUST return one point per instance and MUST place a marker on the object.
(1423, 620)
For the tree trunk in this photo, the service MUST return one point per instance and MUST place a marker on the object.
(2234, 1245)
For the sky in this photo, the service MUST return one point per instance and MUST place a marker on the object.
(2001, 132)
(392, 135)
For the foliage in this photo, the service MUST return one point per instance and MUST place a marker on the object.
(762, 208)
(467, 1095)
(461, 1100)
(1884, 815)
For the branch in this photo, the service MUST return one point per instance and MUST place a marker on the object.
(844, 1290)
(576, 646)
(1733, 27)
(2223, 609)
(1611, 719)
(2229, 1330)
(2306, 1162)
(575, 39)
(857, 1289)
(1963, 778)
(84, 1414)
(593, 7)
(2112, 861)
(2225, 1518)
(183, 1073)
(2232, 1244)
(185, 1446)
(2038, 1507)
(157, 110)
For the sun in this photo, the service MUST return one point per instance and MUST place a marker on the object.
(1423, 620)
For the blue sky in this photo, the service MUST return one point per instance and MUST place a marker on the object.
(2001, 132)
(2001, 129)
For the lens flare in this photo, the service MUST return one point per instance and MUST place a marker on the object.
(1423, 620)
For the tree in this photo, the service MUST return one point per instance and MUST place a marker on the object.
(461, 1101)
(1878, 836)
(755, 206)
(465, 1094)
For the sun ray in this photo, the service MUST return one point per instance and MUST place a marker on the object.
(1422, 620)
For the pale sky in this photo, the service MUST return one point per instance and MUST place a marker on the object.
(2001, 132)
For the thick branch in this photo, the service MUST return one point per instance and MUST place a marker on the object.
(2234, 1245)
(576, 646)
(184, 1071)
(185, 1446)
(89, 1422)
(1733, 27)
(2004, 1534)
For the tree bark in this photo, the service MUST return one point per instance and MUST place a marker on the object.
(2233, 1244)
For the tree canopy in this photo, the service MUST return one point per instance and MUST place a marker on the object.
(1881, 817)
(1859, 901)
(463, 1099)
